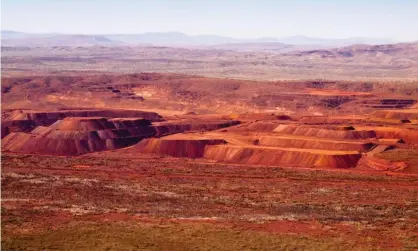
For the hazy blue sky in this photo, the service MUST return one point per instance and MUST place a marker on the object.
(396, 19)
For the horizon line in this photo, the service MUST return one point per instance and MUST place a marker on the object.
(208, 34)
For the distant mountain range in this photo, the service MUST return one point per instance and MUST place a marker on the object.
(14, 38)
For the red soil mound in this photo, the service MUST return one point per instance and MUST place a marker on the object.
(314, 143)
(324, 133)
(282, 156)
(190, 148)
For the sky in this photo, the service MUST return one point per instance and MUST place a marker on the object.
(395, 19)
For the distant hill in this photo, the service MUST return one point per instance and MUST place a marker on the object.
(358, 50)
(255, 46)
(60, 40)
(11, 38)
(267, 61)
(272, 47)
(303, 40)
(171, 38)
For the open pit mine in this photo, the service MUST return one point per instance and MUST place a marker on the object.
(268, 139)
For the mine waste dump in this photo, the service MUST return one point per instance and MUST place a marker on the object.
(265, 139)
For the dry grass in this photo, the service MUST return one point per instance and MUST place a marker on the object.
(212, 63)
(174, 236)
(343, 210)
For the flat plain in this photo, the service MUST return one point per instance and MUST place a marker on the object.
(162, 148)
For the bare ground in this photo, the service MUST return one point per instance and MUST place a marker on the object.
(111, 201)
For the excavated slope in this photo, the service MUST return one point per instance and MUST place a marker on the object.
(324, 133)
(260, 116)
(83, 124)
(111, 113)
(40, 144)
(79, 135)
(17, 126)
(331, 120)
(409, 136)
(190, 148)
(166, 128)
(281, 156)
(257, 126)
(314, 143)
(56, 115)
(382, 164)
(25, 121)
(405, 114)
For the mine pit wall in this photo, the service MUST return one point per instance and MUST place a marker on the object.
(279, 157)
(314, 144)
(176, 148)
